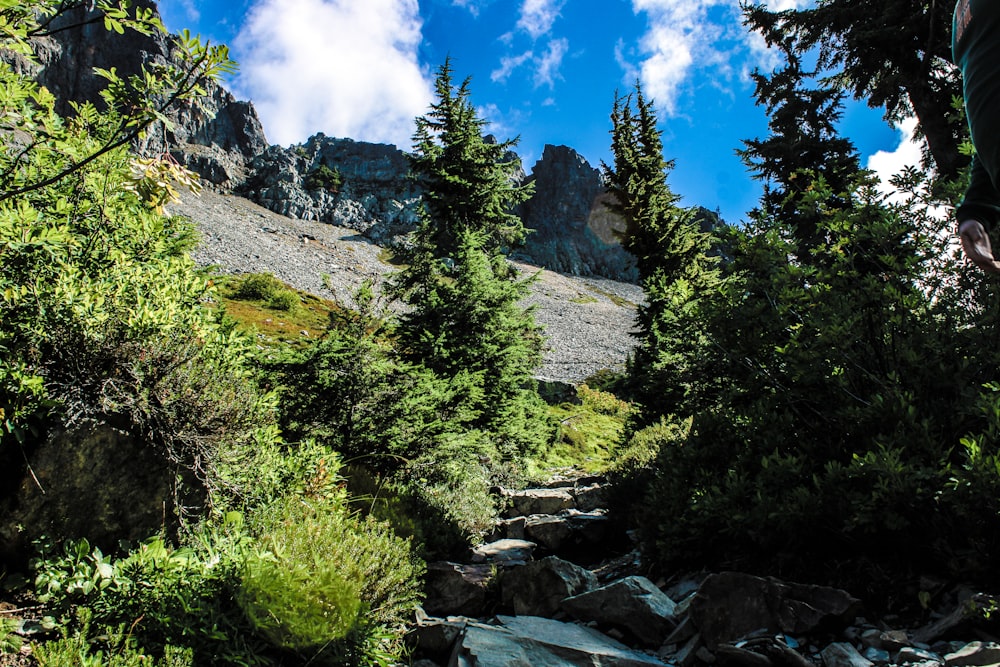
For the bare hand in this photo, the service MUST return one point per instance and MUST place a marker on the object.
(976, 244)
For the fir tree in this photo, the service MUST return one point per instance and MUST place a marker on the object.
(465, 323)
(672, 255)
(895, 55)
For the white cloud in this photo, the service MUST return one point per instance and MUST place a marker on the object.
(887, 164)
(687, 35)
(341, 67)
(550, 62)
(537, 16)
(508, 64)
(472, 5)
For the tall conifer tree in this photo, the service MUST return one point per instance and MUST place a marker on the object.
(672, 255)
(465, 322)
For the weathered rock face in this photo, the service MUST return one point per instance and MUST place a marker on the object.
(65, 490)
(215, 137)
(375, 196)
(574, 231)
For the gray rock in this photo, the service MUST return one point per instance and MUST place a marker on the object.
(893, 640)
(536, 589)
(541, 642)
(549, 532)
(538, 501)
(877, 655)
(841, 654)
(735, 655)
(731, 605)
(435, 637)
(574, 230)
(65, 492)
(216, 136)
(974, 654)
(504, 552)
(633, 604)
(452, 588)
(590, 497)
(911, 655)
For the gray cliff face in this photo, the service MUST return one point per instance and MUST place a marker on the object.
(222, 139)
(574, 232)
(215, 137)
(375, 195)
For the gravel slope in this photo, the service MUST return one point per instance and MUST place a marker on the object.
(587, 321)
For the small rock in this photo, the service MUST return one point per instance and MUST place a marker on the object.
(974, 654)
(841, 654)
(877, 655)
(911, 655)
(452, 588)
(893, 640)
(504, 552)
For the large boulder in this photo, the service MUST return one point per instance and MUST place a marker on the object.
(731, 605)
(452, 588)
(538, 501)
(516, 641)
(92, 481)
(633, 605)
(536, 589)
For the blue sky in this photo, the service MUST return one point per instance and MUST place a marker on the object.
(543, 70)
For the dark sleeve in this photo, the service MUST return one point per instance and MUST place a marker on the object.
(982, 201)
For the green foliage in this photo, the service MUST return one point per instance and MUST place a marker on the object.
(589, 431)
(825, 413)
(257, 287)
(895, 56)
(325, 580)
(324, 178)
(113, 649)
(672, 254)
(101, 315)
(465, 324)
(165, 596)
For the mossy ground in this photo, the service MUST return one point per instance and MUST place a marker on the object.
(275, 326)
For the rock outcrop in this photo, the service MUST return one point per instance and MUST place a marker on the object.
(574, 232)
(372, 192)
(215, 137)
(222, 139)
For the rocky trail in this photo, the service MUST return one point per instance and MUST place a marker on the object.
(552, 588)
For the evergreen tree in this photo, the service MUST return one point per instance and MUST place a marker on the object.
(803, 147)
(840, 381)
(464, 322)
(894, 55)
(672, 255)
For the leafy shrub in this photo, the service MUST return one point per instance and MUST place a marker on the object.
(165, 596)
(323, 177)
(326, 581)
(633, 466)
(284, 300)
(257, 287)
(114, 649)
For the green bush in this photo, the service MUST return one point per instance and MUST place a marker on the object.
(257, 287)
(165, 596)
(327, 584)
(323, 177)
(284, 300)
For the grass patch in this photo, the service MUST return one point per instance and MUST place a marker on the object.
(279, 315)
(584, 298)
(590, 429)
(614, 298)
(387, 256)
